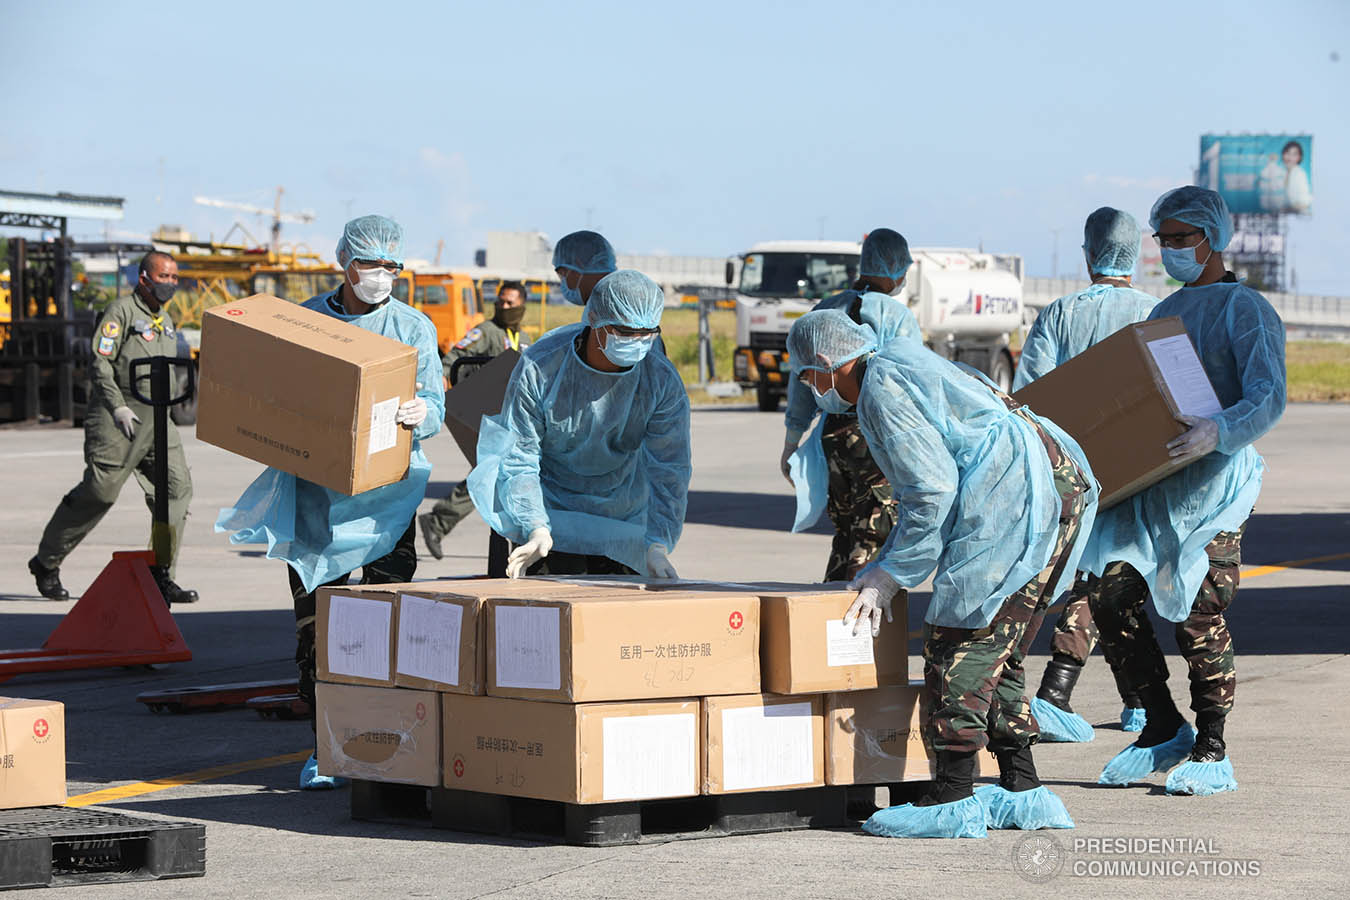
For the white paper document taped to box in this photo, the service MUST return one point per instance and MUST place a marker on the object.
(428, 639)
(844, 648)
(358, 637)
(1185, 376)
(527, 647)
(383, 425)
(650, 756)
(767, 746)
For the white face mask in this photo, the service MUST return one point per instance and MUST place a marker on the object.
(373, 285)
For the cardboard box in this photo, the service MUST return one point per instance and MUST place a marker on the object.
(760, 742)
(583, 753)
(379, 734)
(32, 753)
(806, 648)
(1119, 400)
(476, 396)
(305, 393)
(355, 636)
(874, 737)
(624, 646)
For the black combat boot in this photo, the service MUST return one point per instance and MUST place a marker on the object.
(955, 779)
(1209, 744)
(1061, 674)
(171, 591)
(48, 580)
(431, 534)
(1128, 695)
(1016, 771)
(1163, 716)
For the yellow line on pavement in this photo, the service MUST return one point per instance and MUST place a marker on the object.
(109, 795)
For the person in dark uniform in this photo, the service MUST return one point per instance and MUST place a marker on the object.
(118, 439)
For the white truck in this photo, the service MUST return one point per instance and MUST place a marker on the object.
(967, 303)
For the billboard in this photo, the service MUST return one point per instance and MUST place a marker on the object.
(1258, 173)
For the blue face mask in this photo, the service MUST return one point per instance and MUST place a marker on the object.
(573, 294)
(830, 401)
(1182, 265)
(627, 351)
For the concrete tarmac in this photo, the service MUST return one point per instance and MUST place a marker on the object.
(1287, 736)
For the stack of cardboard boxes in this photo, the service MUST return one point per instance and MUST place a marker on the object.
(593, 690)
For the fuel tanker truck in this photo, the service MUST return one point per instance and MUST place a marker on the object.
(966, 302)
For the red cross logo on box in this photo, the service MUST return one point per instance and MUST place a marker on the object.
(234, 312)
(421, 711)
(459, 767)
(736, 620)
(40, 728)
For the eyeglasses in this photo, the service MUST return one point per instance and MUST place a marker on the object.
(1174, 240)
(386, 264)
(624, 331)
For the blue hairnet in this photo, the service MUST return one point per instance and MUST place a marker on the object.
(370, 237)
(586, 252)
(885, 254)
(1111, 239)
(1199, 207)
(825, 339)
(626, 298)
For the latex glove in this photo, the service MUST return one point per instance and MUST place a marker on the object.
(658, 562)
(412, 413)
(875, 592)
(126, 421)
(1200, 440)
(534, 549)
(788, 449)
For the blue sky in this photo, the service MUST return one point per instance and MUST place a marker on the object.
(693, 128)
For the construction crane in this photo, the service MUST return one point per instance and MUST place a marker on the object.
(303, 217)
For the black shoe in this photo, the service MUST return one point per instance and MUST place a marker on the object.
(1061, 674)
(48, 581)
(1016, 771)
(1209, 744)
(1163, 716)
(1128, 695)
(171, 591)
(955, 779)
(431, 535)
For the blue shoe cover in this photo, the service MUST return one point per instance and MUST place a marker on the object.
(1132, 718)
(960, 818)
(311, 780)
(1200, 779)
(1030, 810)
(1135, 763)
(1058, 726)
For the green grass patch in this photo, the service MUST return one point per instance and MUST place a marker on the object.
(1318, 371)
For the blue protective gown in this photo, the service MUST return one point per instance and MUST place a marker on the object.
(321, 533)
(890, 320)
(600, 459)
(1163, 530)
(974, 491)
(1074, 323)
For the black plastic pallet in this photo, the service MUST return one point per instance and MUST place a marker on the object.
(57, 846)
(613, 824)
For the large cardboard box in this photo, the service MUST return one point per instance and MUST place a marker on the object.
(806, 648)
(762, 742)
(32, 753)
(379, 734)
(874, 737)
(305, 393)
(355, 636)
(575, 753)
(476, 396)
(1119, 400)
(624, 646)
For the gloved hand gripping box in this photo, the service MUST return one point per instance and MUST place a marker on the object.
(305, 393)
(1119, 400)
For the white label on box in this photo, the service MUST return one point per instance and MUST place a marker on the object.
(358, 637)
(527, 647)
(1185, 376)
(383, 425)
(844, 648)
(767, 746)
(428, 639)
(649, 756)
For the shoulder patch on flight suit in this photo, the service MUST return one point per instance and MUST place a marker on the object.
(470, 338)
(111, 329)
(106, 345)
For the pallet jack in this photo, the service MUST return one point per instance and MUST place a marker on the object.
(122, 619)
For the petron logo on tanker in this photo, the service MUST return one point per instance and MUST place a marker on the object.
(985, 305)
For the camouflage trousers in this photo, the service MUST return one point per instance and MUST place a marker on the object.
(395, 567)
(974, 684)
(860, 503)
(1075, 634)
(1129, 644)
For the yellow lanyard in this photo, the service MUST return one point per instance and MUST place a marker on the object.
(513, 338)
